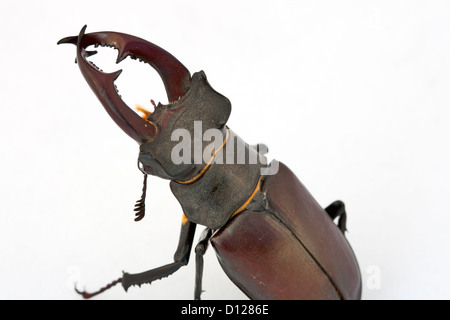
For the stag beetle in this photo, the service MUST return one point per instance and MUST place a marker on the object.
(271, 237)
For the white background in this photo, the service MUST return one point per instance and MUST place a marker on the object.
(352, 95)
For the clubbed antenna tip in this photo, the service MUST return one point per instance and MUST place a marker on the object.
(139, 207)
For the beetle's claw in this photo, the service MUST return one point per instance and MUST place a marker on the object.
(175, 76)
(83, 293)
(87, 295)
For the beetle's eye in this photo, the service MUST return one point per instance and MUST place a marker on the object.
(140, 166)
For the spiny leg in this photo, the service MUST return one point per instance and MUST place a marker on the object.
(181, 258)
(337, 209)
(200, 250)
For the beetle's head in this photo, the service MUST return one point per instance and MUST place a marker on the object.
(190, 99)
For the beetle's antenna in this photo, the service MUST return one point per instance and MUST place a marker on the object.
(139, 207)
(87, 295)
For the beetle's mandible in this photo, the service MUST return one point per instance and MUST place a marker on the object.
(272, 238)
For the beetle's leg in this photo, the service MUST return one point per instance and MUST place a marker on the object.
(181, 258)
(200, 250)
(337, 209)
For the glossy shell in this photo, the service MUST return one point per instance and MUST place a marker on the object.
(285, 246)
